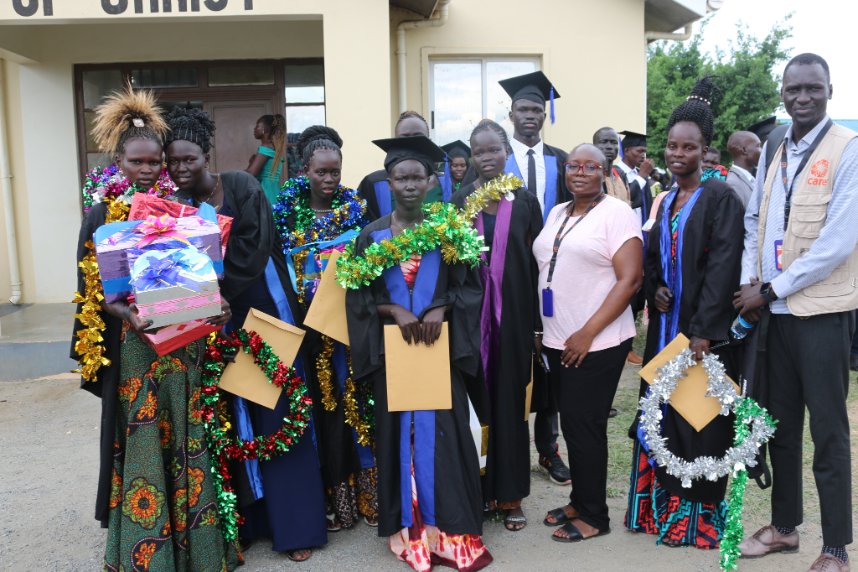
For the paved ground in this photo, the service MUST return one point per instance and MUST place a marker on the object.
(49, 438)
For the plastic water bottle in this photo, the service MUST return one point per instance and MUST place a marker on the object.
(740, 328)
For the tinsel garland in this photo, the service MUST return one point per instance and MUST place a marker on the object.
(443, 227)
(109, 183)
(361, 421)
(113, 188)
(753, 426)
(493, 191)
(746, 411)
(223, 446)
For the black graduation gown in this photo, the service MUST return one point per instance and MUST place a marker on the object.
(508, 463)
(107, 378)
(640, 198)
(456, 475)
(711, 262)
(366, 188)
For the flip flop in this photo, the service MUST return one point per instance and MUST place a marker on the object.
(290, 554)
(574, 535)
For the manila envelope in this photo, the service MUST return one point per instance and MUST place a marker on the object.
(327, 312)
(689, 399)
(243, 377)
(418, 376)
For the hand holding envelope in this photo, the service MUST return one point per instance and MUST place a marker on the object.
(418, 375)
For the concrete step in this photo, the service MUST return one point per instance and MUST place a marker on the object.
(34, 340)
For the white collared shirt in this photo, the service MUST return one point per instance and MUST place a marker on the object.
(632, 175)
(520, 150)
(744, 173)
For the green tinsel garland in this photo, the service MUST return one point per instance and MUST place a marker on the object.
(443, 227)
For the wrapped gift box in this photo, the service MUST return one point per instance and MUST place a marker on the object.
(143, 205)
(171, 338)
(118, 244)
(175, 286)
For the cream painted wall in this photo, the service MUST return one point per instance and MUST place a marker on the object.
(594, 53)
(41, 108)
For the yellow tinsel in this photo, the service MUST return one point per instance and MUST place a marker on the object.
(325, 374)
(353, 418)
(492, 191)
(90, 342)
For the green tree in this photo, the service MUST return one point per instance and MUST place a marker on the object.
(744, 74)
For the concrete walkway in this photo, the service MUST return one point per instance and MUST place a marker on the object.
(34, 340)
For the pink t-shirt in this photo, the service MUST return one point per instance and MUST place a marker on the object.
(584, 273)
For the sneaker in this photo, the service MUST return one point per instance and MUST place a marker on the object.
(557, 470)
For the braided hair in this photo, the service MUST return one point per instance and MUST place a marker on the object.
(276, 125)
(318, 137)
(190, 124)
(127, 115)
(697, 109)
(489, 125)
(411, 115)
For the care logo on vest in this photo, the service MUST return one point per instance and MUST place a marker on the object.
(818, 173)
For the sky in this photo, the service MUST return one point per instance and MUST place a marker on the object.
(824, 27)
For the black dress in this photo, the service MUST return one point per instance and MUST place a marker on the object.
(510, 346)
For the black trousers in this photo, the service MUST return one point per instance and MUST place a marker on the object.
(584, 396)
(808, 366)
(545, 431)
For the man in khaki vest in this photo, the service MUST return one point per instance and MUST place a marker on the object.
(800, 276)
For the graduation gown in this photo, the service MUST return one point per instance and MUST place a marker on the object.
(445, 458)
(711, 258)
(507, 344)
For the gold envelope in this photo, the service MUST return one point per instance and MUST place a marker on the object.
(689, 399)
(327, 312)
(243, 377)
(418, 376)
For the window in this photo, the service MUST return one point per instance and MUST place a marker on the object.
(464, 91)
(305, 96)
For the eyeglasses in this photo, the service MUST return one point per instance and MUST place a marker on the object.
(589, 167)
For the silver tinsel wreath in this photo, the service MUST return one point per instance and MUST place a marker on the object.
(719, 386)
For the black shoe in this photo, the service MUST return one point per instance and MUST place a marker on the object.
(612, 412)
(853, 362)
(558, 472)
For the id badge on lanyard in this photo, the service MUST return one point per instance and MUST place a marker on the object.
(779, 255)
(547, 302)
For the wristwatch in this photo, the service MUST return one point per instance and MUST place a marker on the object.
(767, 293)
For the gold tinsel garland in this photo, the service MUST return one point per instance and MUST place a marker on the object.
(325, 375)
(90, 342)
(493, 191)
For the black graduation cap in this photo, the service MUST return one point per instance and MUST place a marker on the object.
(457, 149)
(633, 139)
(420, 148)
(762, 128)
(534, 86)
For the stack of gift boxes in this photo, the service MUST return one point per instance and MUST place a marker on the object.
(167, 258)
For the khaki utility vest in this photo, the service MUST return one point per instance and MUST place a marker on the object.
(837, 292)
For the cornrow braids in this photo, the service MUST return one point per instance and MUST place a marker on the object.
(409, 114)
(489, 125)
(190, 124)
(318, 137)
(127, 115)
(697, 109)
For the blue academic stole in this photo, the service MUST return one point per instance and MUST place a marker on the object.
(382, 197)
(550, 198)
(416, 301)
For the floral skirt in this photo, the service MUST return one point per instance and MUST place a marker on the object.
(163, 507)
(674, 520)
(422, 545)
(355, 497)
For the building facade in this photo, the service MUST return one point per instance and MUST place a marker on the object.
(351, 64)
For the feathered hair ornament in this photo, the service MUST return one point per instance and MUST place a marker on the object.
(125, 115)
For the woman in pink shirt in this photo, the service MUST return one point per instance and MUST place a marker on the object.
(590, 258)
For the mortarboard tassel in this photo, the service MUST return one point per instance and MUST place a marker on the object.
(551, 101)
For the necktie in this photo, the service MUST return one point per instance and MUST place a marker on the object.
(531, 172)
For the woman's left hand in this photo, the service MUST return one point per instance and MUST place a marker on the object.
(699, 347)
(225, 314)
(432, 325)
(576, 348)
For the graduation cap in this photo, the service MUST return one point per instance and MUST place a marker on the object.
(762, 128)
(457, 149)
(632, 139)
(534, 87)
(419, 147)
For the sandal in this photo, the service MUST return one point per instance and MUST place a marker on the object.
(514, 522)
(296, 555)
(333, 523)
(574, 535)
(559, 515)
(373, 522)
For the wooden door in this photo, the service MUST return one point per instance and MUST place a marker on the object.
(233, 139)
